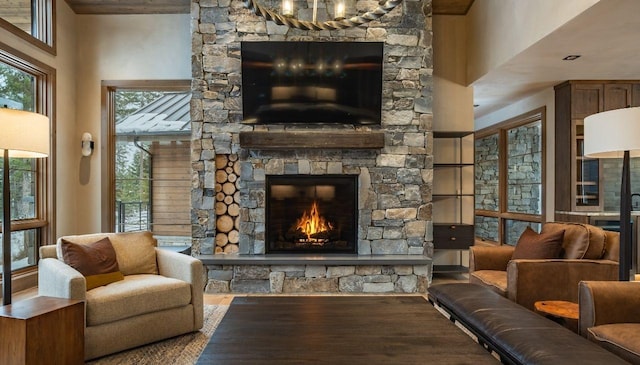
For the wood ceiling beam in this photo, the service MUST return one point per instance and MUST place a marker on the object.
(130, 6)
(451, 7)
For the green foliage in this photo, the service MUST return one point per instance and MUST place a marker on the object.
(128, 102)
(17, 86)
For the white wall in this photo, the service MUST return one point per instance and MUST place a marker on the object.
(92, 48)
(498, 30)
(452, 99)
(118, 47)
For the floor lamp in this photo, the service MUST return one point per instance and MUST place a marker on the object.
(615, 134)
(22, 135)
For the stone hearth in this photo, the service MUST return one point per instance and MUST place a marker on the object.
(394, 182)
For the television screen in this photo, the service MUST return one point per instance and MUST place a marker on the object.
(312, 82)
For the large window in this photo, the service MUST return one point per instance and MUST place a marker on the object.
(150, 134)
(31, 20)
(27, 85)
(509, 178)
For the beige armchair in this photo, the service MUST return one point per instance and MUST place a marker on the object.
(161, 295)
(609, 316)
(589, 253)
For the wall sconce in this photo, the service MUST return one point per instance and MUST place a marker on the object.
(87, 144)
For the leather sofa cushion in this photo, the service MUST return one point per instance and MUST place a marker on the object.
(134, 296)
(135, 251)
(581, 241)
(623, 339)
(494, 279)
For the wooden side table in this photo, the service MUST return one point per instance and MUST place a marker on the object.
(42, 330)
(561, 311)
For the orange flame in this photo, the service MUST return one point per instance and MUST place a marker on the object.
(311, 222)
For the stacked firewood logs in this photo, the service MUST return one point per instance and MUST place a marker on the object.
(227, 205)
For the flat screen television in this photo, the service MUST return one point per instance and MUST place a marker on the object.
(312, 82)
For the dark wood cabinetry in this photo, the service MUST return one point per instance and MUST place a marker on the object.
(452, 236)
(579, 178)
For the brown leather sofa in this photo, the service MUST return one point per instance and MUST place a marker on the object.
(609, 316)
(589, 253)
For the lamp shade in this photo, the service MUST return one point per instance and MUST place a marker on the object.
(24, 134)
(609, 134)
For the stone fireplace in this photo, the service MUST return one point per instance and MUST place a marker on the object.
(389, 246)
(311, 214)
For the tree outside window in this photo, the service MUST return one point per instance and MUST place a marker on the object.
(18, 91)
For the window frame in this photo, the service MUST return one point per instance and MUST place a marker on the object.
(46, 24)
(108, 89)
(45, 77)
(502, 213)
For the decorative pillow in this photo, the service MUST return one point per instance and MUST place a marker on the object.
(96, 261)
(135, 251)
(581, 241)
(534, 245)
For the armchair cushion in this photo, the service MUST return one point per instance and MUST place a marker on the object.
(135, 251)
(534, 245)
(135, 295)
(496, 280)
(95, 261)
(623, 339)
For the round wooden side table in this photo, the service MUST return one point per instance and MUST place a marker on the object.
(561, 311)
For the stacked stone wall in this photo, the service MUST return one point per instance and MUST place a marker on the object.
(395, 182)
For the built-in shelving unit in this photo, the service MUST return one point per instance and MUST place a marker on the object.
(453, 196)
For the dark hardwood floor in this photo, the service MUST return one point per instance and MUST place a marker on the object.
(339, 330)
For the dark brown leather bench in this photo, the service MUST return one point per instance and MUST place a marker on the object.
(516, 334)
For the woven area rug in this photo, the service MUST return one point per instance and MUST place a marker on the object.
(181, 350)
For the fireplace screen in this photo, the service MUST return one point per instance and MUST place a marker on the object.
(311, 213)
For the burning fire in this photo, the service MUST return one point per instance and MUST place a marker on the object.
(312, 223)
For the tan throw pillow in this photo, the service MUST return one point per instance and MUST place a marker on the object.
(533, 245)
(95, 261)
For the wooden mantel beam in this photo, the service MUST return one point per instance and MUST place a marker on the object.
(312, 139)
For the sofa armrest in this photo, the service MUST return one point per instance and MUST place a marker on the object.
(605, 302)
(489, 257)
(48, 251)
(57, 279)
(529, 281)
(186, 268)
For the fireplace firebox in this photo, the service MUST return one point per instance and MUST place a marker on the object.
(310, 213)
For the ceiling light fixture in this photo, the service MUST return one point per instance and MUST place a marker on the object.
(571, 57)
(340, 21)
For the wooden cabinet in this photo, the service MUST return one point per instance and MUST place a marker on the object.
(579, 178)
(453, 195)
(42, 330)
